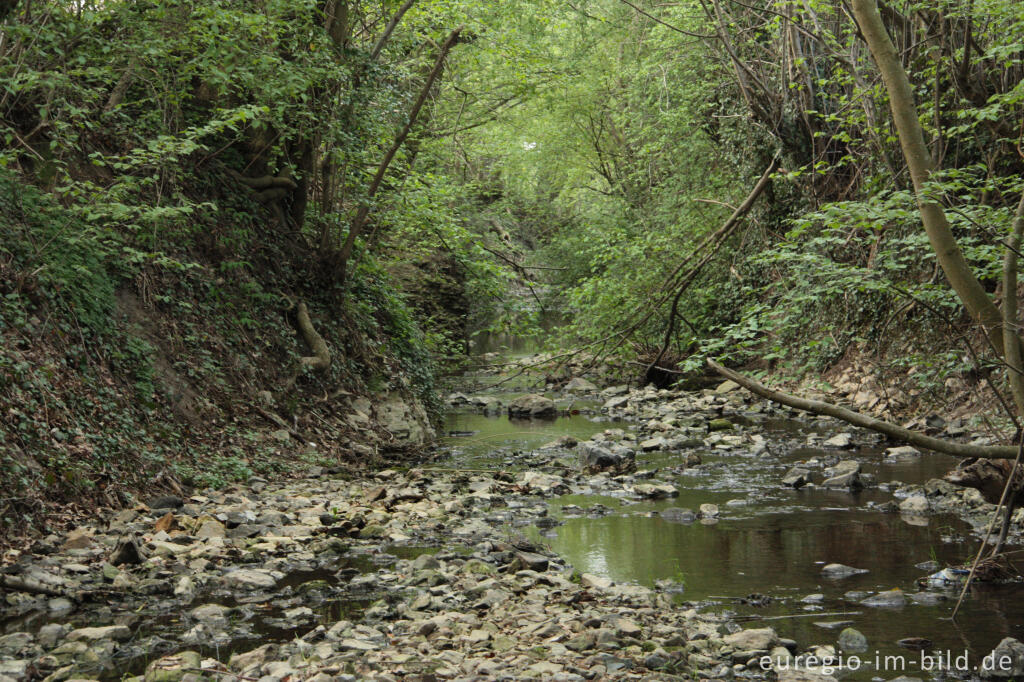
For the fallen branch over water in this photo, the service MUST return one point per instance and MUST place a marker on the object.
(799, 615)
(864, 421)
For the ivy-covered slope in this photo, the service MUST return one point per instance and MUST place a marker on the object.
(176, 181)
(119, 376)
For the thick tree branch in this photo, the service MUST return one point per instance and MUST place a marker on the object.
(864, 421)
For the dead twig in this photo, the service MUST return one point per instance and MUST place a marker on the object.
(991, 526)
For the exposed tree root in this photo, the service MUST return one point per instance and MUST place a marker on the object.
(864, 421)
(988, 533)
(321, 358)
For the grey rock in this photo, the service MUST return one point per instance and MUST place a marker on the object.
(927, 598)
(803, 675)
(840, 440)
(598, 457)
(210, 613)
(532, 561)
(117, 633)
(580, 385)
(709, 511)
(887, 599)
(166, 502)
(904, 453)
(651, 444)
(655, 491)
(797, 477)
(617, 401)
(15, 643)
(846, 474)
(1005, 661)
(841, 571)
(173, 668)
(720, 425)
(655, 661)
(727, 386)
(678, 515)
(851, 640)
(426, 561)
(127, 551)
(757, 639)
(251, 579)
(915, 504)
(532, 406)
(51, 633)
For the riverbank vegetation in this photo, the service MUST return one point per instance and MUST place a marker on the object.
(226, 223)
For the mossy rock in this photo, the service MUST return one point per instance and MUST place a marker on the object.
(174, 667)
(374, 530)
(478, 567)
(720, 425)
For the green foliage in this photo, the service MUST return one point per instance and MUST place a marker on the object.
(381, 313)
(61, 256)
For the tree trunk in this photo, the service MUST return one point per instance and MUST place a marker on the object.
(359, 222)
(919, 160)
(1014, 365)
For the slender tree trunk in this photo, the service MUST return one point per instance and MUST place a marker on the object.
(359, 222)
(1015, 366)
(901, 99)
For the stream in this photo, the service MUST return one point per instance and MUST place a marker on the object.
(761, 560)
(356, 568)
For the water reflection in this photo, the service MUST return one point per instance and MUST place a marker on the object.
(770, 539)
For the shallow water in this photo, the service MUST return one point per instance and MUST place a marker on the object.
(770, 540)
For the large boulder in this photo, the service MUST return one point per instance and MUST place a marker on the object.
(1006, 660)
(602, 457)
(532, 406)
(846, 475)
(406, 420)
(580, 385)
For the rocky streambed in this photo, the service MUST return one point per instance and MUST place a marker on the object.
(641, 535)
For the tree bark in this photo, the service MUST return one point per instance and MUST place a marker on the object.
(857, 419)
(1014, 366)
(337, 24)
(919, 161)
(321, 358)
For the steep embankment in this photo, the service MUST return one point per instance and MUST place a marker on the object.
(123, 372)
